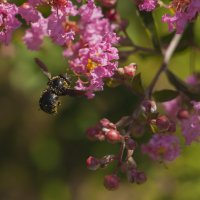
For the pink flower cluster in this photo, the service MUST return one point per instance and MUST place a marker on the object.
(8, 22)
(93, 56)
(88, 42)
(162, 147)
(185, 11)
(147, 5)
(187, 114)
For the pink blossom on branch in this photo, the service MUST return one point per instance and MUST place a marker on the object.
(8, 21)
(33, 37)
(29, 13)
(185, 12)
(147, 5)
(162, 147)
(191, 125)
(94, 56)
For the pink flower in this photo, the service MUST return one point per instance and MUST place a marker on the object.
(93, 56)
(191, 125)
(59, 28)
(184, 13)
(8, 22)
(147, 5)
(178, 21)
(172, 107)
(29, 13)
(35, 2)
(191, 129)
(162, 147)
(34, 36)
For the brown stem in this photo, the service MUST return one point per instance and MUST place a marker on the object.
(167, 56)
(120, 156)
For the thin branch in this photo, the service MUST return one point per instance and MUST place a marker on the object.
(136, 47)
(167, 56)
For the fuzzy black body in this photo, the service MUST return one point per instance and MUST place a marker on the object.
(49, 102)
(58, 85)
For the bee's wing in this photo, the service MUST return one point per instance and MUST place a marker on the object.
(74, 93)
(43, 67)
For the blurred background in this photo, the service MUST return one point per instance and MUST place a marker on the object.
(42, 157)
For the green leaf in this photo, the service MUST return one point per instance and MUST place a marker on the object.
(137, 85)
(150, 27)
(182, 86)
(165, 95)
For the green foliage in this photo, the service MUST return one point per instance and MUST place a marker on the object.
(137, 85)
(165, 95)
(182, 86)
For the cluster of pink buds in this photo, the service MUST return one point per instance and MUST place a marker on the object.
(106, 130)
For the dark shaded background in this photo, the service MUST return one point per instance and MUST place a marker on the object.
(42, 157)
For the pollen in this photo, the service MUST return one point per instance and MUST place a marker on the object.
(91, 65)
(161, 150)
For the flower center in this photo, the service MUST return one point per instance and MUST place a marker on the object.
(161, 150)
(91, 65)
(180, 5)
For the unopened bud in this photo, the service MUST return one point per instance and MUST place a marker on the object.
(140, 177)
(130, 70)
(130, 144)
(105, 123)
(183, 114)
(149, 106)
(172, 127)
(92, 163)
(112, 15)
(120, 71)
(108, 3)
(135, 176)
(113, 136)
(163, 123)
(94, 133)
(111, 182)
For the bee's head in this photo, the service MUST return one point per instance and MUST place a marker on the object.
(66, 77)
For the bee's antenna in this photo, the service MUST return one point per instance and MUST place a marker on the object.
(43, 67)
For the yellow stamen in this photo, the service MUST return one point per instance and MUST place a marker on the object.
(91, 65)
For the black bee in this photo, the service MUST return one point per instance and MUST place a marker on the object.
(57, 86)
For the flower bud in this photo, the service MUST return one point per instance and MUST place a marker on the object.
(131, 173)
(140, 177)
(92, 163)
(108, 3)
(135, 176)
(113, 136)
(163, 123)
(148, 106)
(130, 70)
(95, 133)
(120, 71)
(172, 127)
(130, 144)
(112, 15)
(111, 182)
(107, 124)
(183, 114)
